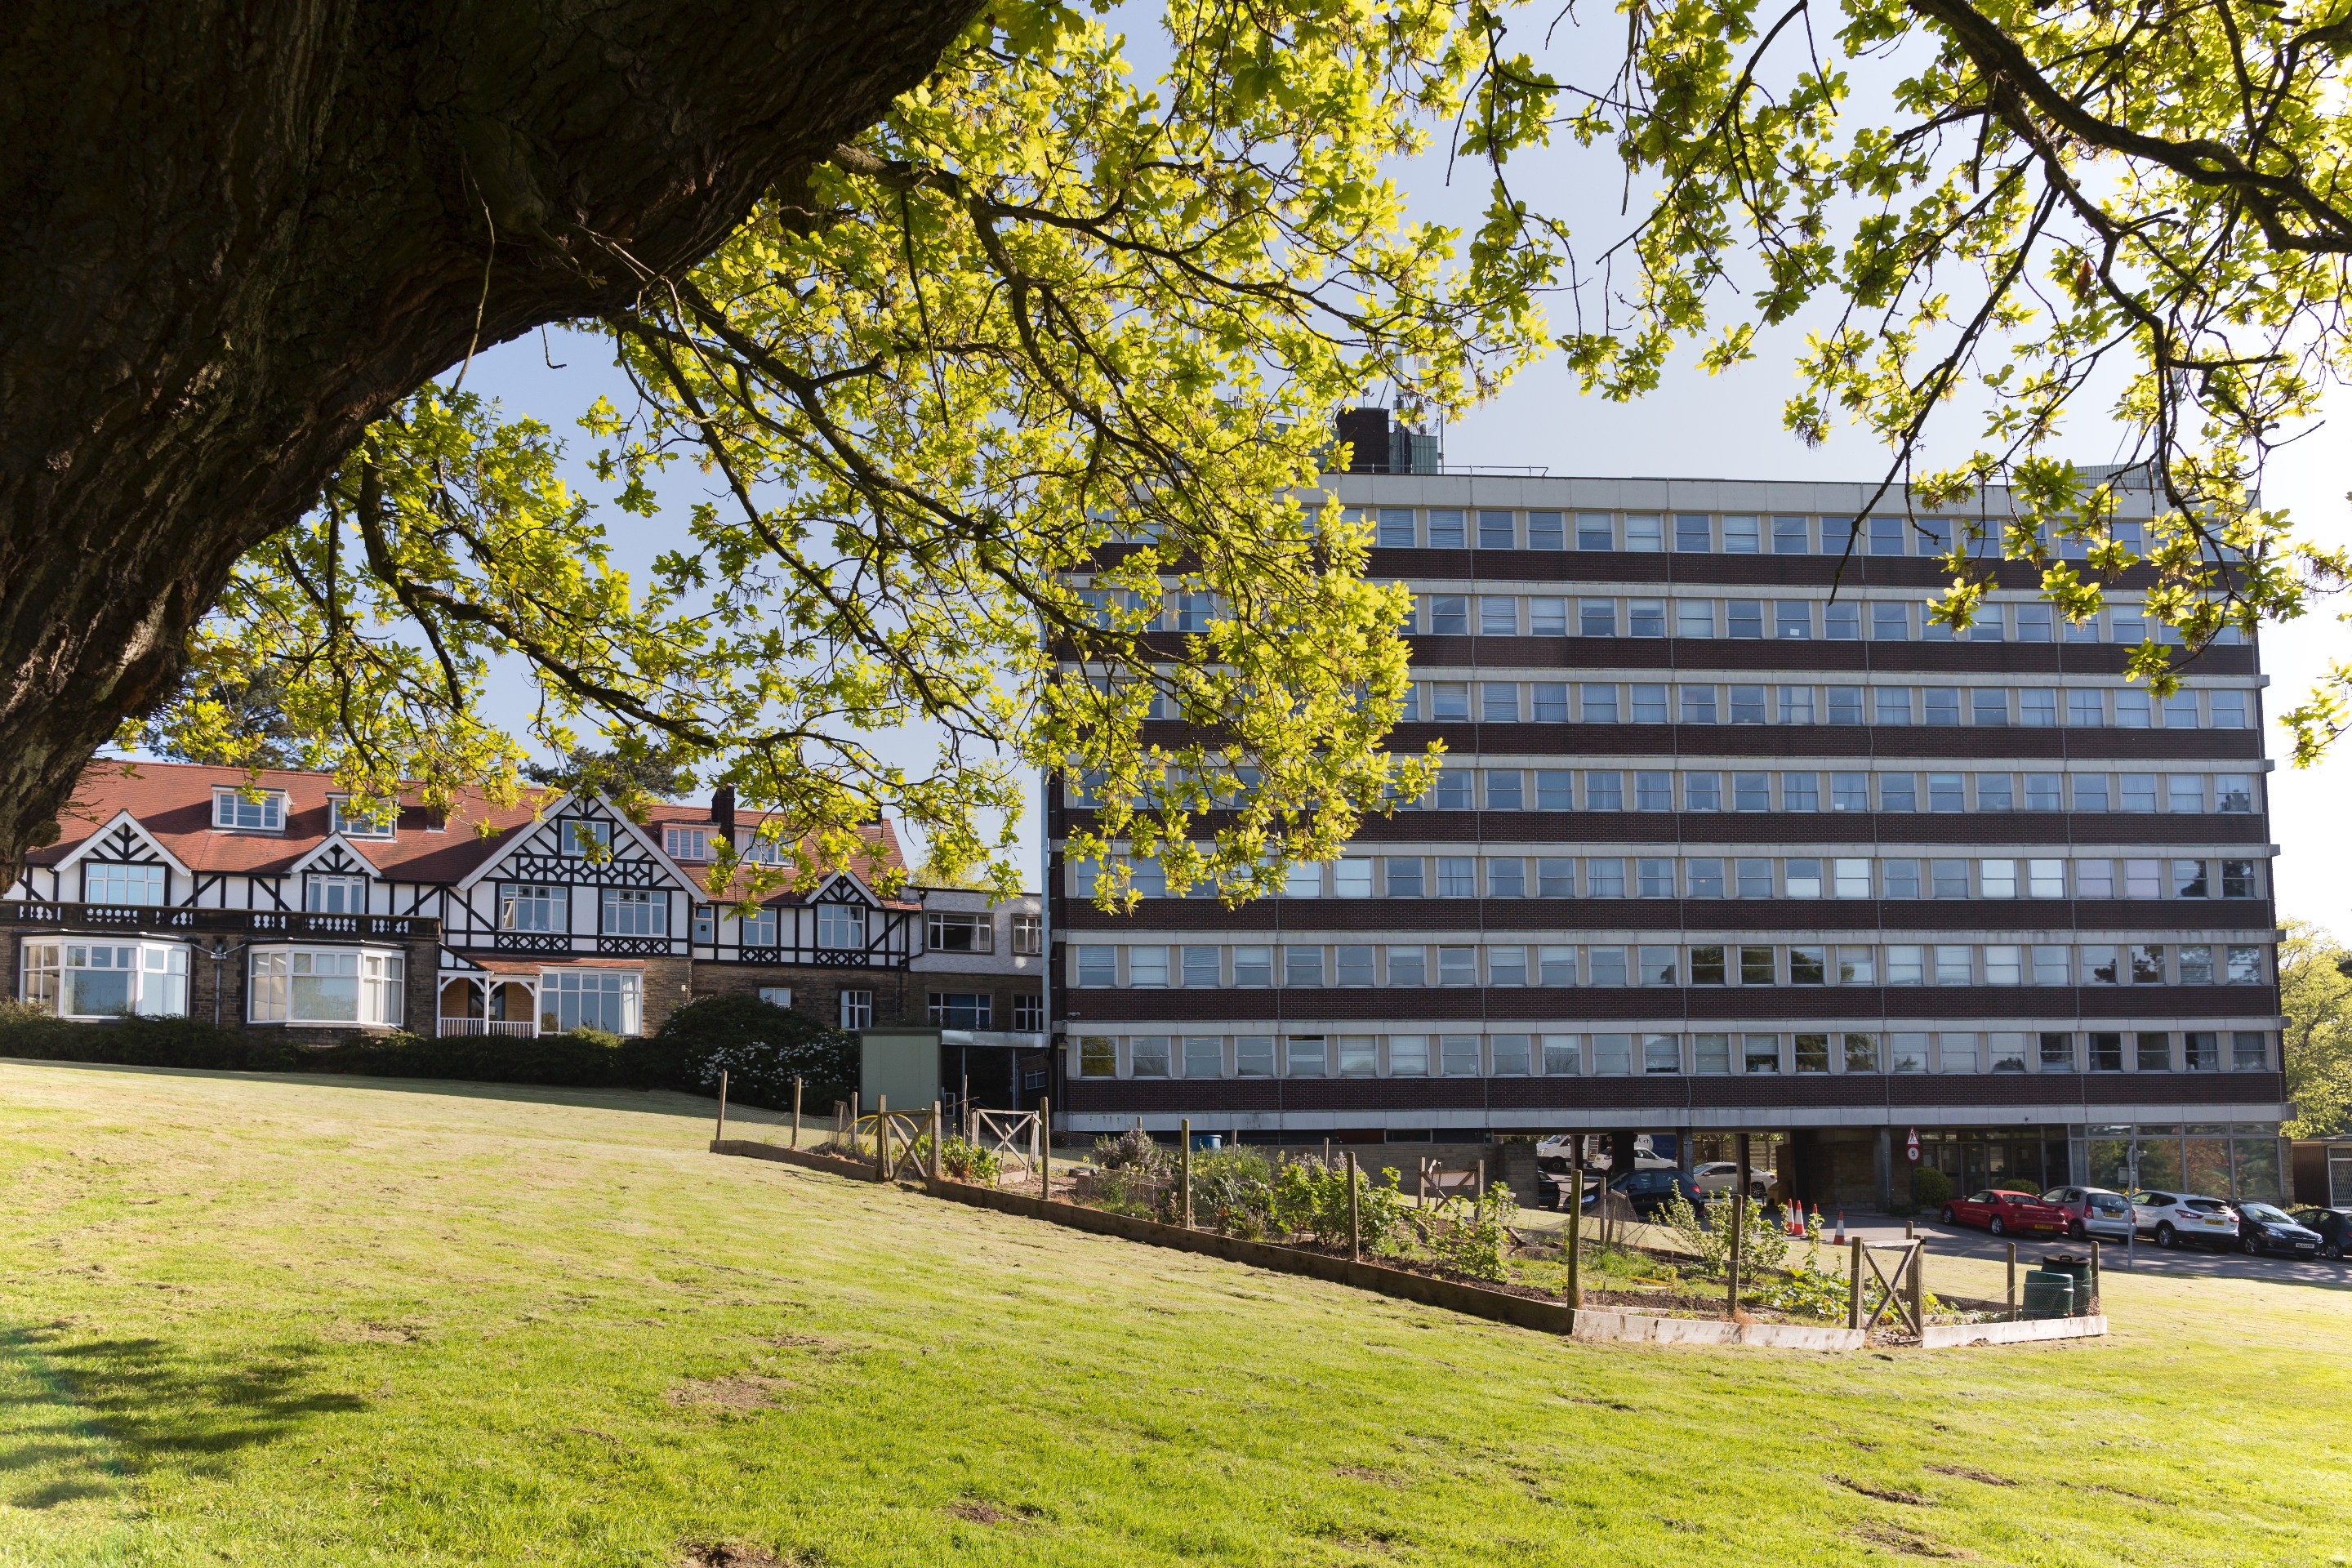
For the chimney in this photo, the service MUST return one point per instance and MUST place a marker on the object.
(722, 810)
(1366, 431)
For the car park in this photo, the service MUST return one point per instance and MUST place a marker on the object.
(1649, 1191)
(2006, 1213)
(2334, 1228)
(2264, 1228)
(2182, 1219)
(1722, 1175)
(2094, 1214)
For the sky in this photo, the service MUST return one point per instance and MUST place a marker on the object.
(1723, 425)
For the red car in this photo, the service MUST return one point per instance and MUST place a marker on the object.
(2001, 1213)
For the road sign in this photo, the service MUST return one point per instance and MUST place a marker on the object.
(1913, 1147)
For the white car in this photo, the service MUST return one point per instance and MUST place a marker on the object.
(2178, 1219)
(1718, 1176)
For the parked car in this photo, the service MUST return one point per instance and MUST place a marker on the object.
(2181, 1219)
(1649, 1191)
(1718, 1175)
(2334, 1227)
(2002, 1213)
(2092, 1212)
(2263, 1229)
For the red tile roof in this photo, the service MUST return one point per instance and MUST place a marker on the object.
(173, 802)
(881, 836)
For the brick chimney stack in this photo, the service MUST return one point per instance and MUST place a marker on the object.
(722, 809)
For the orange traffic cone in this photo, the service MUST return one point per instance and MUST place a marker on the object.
(1841, 1229)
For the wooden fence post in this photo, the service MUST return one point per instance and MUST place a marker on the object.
(1919, 1288)
(2096, 1305)
(881, 1137)
(1354, 1223)
(938, 1127)
(853, 1120)
(1478, 1192)
(1738, 1222)
(1853, 1286)
(796, 1113)
(720, 1136)
(1045, 1148)
(1576, 1221)
(2012, 1282)
(1184, 1137)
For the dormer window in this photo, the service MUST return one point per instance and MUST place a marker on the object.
(764, 852)
(336, 895)
(263, 811)
(102, 883)
(583, 837)
(687, 843)
(353, 823)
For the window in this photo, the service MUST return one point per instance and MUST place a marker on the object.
(1547, 531)
(1662, 1053)
(1842, 621)
(1445, 530)
(1449, 699)
(1801, 877)
(1796, 705)
(1457, 966)
(960, 933)
(1352, 965)
(1550, 701)
(1754, 877)
(1906, 1053)
(1146, 966)
(1756, 966)
(1808, 966)
(1848, 792)
(1902, 879)
(687, 843)
(1596, 618)
(1604, 790)
(1943, 704)
(105, 980)
(1958, 1052)
(2244, 967)
(1694, 617)
(1751, 791)
(1498, 616)
(2238, 879)
(963, 1010)
(1790, 536)
(1029, 935)
(1254, 966)
(1458, 1055)
(1857, 966)
(532, 906)
(2090, 792)
(2229, 709)
(264, 811)
(1395, 528)
(1812, 1053)
(1845, 705)
(1302, 966)
(1605, 965)
(1945, 792)
(1408, 967)
(1890, 705)
(1740, 536)
(1649, 704)
(1654, 792)
(1595, 530)
(1955, 965)
(1507, 878)
(636, 911)
(1747, 704)
(2132, 709)
(2037, 708)
(1555, 877)
(2004, 964)
(1800, 792)
(2248, 1050)
(1693, 533)
(1452, 793)
(2041, 792)
(1449, 614)
(705, 923)
(1456, 877)
(1613, 1055)
(583, 837)
(106, 883)
(1744, 617)
(2233, 793)
(2152, 1052)
(1988, 705)
(325, 895)
(1644, 532)
(1604, 877)
(1098, 1054)
(1548, 617)
(1792, 618)
(353, 823)
(1702, 792)
(1499, 701)
(1706, 966)
(841, 927)
(327, 986)
(1890, 621)
(1760, 1053)
(1204, 1055)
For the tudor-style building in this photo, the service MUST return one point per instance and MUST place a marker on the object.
(272, 903)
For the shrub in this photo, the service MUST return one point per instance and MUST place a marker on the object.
(1763, 1244)
(967, 1162)
(1130, 1149)
(1311, 1198)
(1232, 1189)
(1930, 1187)
(1477, 1244)
(28, 1031)
(578, 1059)
(761, 1046)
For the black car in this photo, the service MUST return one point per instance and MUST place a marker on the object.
(2334, 1228)
(1649, 1191)
(2264, 1228)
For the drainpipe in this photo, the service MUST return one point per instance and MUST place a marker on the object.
(220, 952)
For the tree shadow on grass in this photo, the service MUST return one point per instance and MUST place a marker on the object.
(86, 1415)
(643, 1101)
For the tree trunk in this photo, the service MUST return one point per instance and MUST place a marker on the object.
(232, 235)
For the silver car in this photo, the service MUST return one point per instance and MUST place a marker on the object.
(2178, 1219)
(1722, 1175)
(2095, 1213)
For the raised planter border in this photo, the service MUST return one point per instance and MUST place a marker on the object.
(2030, 1331)
(1590, 1324)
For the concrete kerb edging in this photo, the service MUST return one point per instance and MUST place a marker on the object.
(1591, 1324)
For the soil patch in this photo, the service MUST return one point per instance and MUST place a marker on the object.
(1966, 1474)
(731, 1555)
(738, 1393)
(979, 1511)
(1910, 1543)
(1365, 1473)
(1885, 1494)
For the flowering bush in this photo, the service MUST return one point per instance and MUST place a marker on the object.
(761, 1047)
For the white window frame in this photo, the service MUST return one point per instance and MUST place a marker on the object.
(275, 993)
(555, 896)
(687, 843)
(565, 1000)
(1028, 936)
(266, 812)
(776, 996)
(634, 912)
(841, 928)
(359, 824)
(150, 873)
(757, 930)
(575, 832)
(981, 928)
(857, 1009)
(316, 883)
(158, 970)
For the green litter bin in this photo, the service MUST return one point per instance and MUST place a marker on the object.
(2077, 1269)
(2049, 1294)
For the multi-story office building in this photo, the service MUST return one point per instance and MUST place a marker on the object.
(1731, 836)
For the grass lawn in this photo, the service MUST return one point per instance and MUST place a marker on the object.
(261, 1321)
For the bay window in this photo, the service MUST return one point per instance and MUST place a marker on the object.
(605, 999)
(106, 979)
(325, 985)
